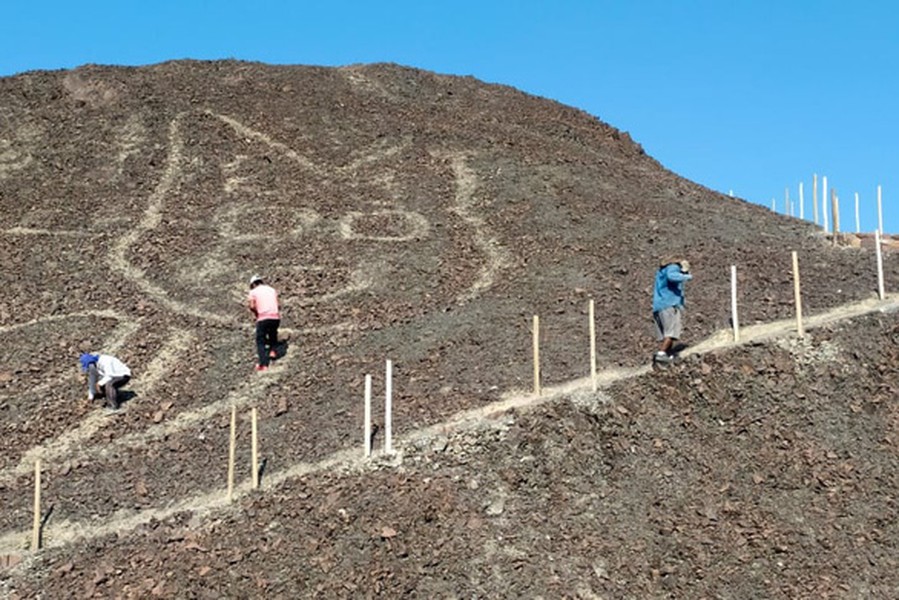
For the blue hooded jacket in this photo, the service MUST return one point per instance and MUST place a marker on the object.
(669, 287)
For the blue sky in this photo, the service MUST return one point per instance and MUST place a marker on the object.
(752, 96)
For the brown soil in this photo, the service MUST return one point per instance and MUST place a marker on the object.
(425, 219)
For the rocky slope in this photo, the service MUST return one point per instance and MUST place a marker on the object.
(425, 219)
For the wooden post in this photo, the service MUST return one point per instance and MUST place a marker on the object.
(797, 295)
(388, 409)
(255, 449)
(824, 202)
(858, 223)
(815, 196)
(36, 527)
(592, 346)
(733, 302)
(536, 337)
(787, 206)
(367, 426)
(880, 291)
(232, 452)
(801, 203)
(879, 212)
(773, 206)
(835, 210)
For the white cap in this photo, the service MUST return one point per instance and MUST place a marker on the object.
(255, 279)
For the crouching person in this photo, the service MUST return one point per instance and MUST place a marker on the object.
(105, 375)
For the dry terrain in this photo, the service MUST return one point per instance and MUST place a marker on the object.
(424, 219)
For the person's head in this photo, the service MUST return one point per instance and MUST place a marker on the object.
(86, 360)
(683, 263)
(255, 280)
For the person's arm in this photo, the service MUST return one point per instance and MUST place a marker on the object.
(104, 379)
(251, 305)
(91, 381)
(677, 275)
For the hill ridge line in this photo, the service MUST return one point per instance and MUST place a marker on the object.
(351, 460)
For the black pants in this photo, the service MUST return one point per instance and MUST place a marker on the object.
(266, 338)
(110, 389)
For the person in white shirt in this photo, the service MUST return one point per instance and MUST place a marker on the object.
(105, 375)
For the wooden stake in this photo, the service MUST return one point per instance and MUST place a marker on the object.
(858, 223)
(232, 453)
(835, 210)
(879, 212)
(824, 202)
(388, 409)
(36, 527)
(787, 206)
(880, 291)
(733, 302)
(801, 203)
(367, 426)
(797, 295)
(815, 196)
(255, 449)
(592, 347)
(536, 355)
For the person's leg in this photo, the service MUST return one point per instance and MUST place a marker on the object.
(659, 325)
(671, 328)
(272, 337)
(666, 345)
(261, 353)
(111, 391)
(677, 345)
(114, 386)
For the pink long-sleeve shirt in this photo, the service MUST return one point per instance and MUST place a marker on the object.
(263, 299)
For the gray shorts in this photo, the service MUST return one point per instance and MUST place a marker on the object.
(668, 322)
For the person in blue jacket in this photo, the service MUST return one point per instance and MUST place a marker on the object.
(668, 304)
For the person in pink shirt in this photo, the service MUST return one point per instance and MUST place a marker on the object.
(263, 303)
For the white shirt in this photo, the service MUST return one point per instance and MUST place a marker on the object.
(109, 367)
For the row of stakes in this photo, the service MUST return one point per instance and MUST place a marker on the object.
(834, 203)
(388, 390)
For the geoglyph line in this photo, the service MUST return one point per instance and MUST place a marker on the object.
(259, 136)
(103, 314)
(496, 255)
(116, 339)
(62, 446)
(150, 220)
(246, 393)
(18, 230)
(382, 152)
(249, 391)
(123, 330)
(153, 215)
(351, 459)
(70, 445)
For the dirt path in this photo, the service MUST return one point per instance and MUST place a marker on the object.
(60, 533)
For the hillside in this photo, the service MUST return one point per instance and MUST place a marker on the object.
(425, 219)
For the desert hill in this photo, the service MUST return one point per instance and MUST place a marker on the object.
(420, 218)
